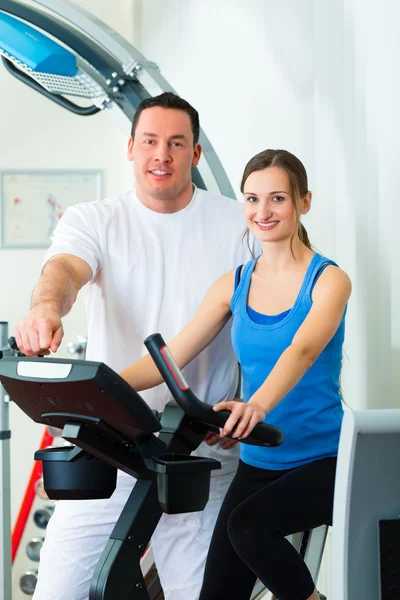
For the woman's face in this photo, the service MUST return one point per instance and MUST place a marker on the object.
(268, 206)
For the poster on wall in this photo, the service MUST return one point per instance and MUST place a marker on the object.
(32, 202)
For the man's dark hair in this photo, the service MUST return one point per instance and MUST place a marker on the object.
(169, 100)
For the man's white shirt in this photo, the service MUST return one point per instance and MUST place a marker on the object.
(150, 274)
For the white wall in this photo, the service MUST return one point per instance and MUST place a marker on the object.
(35, 133)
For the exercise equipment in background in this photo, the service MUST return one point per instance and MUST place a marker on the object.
(62, 51)
(366, 532)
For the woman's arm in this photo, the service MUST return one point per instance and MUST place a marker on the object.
(213, 313)
(330, 297)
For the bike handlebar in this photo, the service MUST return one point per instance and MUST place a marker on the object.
(262, 434)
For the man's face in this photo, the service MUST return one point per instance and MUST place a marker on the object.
(162, 152)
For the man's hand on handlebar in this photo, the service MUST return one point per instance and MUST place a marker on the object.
(243, 418)
(39, 333)
(213, 438)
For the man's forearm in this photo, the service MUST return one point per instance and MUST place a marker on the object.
(56, 289)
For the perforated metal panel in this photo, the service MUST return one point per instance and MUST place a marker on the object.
(81, 84)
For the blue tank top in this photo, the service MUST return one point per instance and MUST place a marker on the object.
(311, 414)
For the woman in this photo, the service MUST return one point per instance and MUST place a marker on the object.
(288, 310)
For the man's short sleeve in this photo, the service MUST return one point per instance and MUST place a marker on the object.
(77, 233)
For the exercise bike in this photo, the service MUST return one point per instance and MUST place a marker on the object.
(111, 428)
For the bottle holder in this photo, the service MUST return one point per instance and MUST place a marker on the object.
(70, 473)
(183, 481)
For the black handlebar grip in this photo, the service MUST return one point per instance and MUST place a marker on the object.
(262, 434)
(165, 363)
(12, 342)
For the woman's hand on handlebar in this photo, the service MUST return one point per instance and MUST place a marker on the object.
(243, 418)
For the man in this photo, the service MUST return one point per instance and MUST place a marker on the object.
(144, 261)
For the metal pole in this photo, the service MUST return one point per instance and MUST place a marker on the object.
(5, 505)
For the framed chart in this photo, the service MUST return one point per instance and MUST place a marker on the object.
(32, 202)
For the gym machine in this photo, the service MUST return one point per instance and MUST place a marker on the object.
(111, 427)
(366, 516)
(35, 390)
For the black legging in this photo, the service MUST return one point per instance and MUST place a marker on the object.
(260, 508)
